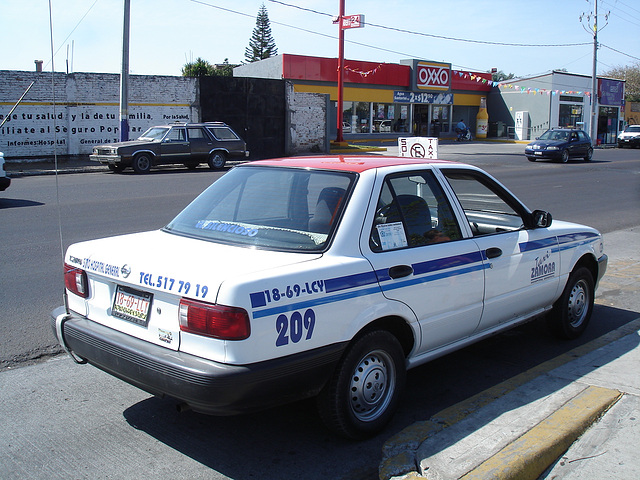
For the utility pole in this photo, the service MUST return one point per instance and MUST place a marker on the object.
(594, 79)
(344, 22)
(124, 76)
(593, 130)
(340, 137)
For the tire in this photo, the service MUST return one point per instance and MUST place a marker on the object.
(362, 395)
(589, 155)
(564, 158)
(531, 159)
(217, 160)
(572, 311)
(142, 163)
(191, 165)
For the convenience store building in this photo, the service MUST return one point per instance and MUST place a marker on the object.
(415, 97)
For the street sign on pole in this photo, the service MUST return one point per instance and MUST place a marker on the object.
(352, 21)
(345, 22)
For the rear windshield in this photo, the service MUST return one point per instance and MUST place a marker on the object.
(268, 207)
(223, 133)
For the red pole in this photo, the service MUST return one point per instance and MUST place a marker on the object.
(340, 71)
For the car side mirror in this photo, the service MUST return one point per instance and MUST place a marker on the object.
(541, 219)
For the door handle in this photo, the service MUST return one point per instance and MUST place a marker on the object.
(400, 271)
(493, 252)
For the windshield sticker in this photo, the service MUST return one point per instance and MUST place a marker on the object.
(392, 236)
(226, 227)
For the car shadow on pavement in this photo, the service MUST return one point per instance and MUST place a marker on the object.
(17, 203)
(286, 441)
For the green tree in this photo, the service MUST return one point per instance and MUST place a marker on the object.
(224, 70)
(499, 76)
(199, 68)
(262, 45)
(630, 73)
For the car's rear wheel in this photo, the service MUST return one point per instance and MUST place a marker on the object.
(564, 158)
(142, 163)
(217, 160)
(589, 155)
(362, 395)
(572, 311)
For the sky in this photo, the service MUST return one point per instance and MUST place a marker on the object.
(520, 37)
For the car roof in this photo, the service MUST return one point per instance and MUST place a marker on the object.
(348, 163)
(565, 129)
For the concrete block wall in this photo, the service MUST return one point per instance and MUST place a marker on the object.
(86, 111)
(307, 122)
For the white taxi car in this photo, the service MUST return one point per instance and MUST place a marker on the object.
(322, 276)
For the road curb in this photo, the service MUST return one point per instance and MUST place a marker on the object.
(399, 460)
(527, 457)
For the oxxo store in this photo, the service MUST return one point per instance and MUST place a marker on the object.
(382, 100)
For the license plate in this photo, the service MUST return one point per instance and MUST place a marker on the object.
(132, 305)
(537, 153)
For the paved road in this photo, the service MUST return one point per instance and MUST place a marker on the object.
(603, 193)
(64, 420)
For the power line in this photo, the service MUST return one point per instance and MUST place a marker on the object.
(618, 51)
(441, 37)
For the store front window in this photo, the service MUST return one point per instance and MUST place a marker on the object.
(441, 118)
(607, 125)
(367, 117)
(570, 114)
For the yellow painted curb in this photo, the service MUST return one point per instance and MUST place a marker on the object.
(531, 454)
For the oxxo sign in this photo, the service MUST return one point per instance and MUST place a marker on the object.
(432, 76)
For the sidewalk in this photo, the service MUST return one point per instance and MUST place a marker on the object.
(576, 416)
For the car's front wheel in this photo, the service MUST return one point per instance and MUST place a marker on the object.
(589, 155)
(531, 159)
(361, 397)
(564, 158)
(572, 311)
(217, 160)
(142, 163)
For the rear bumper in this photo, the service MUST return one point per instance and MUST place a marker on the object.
(206, 386)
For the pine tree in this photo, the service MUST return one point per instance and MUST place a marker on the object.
(262, 45)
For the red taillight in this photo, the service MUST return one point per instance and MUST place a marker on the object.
(76, 281)
(217, 321)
